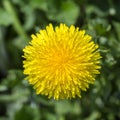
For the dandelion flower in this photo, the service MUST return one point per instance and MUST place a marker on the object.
(61, 62)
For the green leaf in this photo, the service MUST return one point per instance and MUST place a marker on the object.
(117, 28)
(94, 116)
(5, 18)
(50, 116)
(26, 113)
(13, 78)
(40, 4)
(63, 104)
(68, 13)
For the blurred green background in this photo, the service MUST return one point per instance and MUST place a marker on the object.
(19, 19)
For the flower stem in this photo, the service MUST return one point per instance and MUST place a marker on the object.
(16, 23)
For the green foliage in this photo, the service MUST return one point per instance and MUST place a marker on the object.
(19, 19)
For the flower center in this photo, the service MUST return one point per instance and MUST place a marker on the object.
(60, 58)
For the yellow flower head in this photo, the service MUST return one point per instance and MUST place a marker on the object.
(60, 62)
